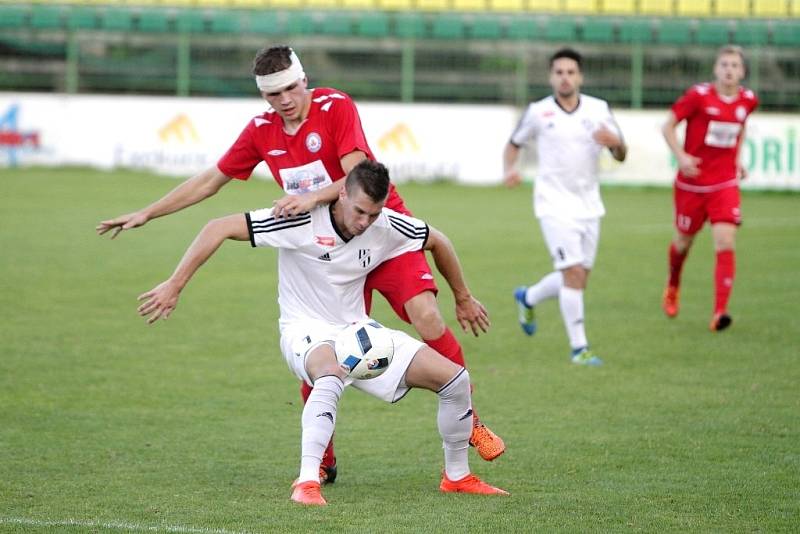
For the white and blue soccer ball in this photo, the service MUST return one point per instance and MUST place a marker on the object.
(364, 349)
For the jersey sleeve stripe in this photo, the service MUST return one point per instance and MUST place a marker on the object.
(408, 229)
(250, 229)
(272, 221)
(292, 223)
(422, 234)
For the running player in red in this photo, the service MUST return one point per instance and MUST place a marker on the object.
(311, 139)
(707, 184)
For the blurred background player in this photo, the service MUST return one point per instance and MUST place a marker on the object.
(571, 130)
(707, 183)
(313, 311)
(310, 140)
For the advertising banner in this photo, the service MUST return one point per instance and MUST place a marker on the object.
(181, 136)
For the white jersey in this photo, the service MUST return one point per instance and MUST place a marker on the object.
(566, 184)
(321, 274)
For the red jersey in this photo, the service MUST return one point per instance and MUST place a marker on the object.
(714, 127)
(309, 159)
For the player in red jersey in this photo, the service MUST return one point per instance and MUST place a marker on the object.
(707, 184)
(311, 139)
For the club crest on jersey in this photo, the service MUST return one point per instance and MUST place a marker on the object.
(313, 142)
(364, 257)
(741, 113)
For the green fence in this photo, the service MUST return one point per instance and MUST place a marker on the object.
(407, 56)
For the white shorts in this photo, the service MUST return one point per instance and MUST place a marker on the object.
(300, 338)
(571, 242)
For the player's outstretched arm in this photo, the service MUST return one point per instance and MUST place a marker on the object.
(159, 302)
(470, 313)
(192, 191)
(291, 205)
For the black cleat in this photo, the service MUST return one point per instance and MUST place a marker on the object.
(720, 322)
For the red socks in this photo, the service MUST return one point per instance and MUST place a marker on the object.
(447, 345)
(723, 279)
(676, 260)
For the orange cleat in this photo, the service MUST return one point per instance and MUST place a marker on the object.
(469, 484)
(670, 302)
(720, 322)
(488, 444)
(308, 493)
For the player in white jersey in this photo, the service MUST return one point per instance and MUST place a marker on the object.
(571, 129)
(324, 258)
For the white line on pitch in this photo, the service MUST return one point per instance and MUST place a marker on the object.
(116, 525)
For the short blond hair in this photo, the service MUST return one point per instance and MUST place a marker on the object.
(731, 49)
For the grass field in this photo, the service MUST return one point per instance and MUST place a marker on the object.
(192, 425)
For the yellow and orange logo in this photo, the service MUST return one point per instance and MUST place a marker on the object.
(400, 139)
(179, 129)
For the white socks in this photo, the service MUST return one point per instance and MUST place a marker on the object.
(571, 302)
(546, 288)
(319, 419)
(454, 421)
(455, 424)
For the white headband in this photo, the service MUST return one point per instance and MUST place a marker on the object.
(277, 81)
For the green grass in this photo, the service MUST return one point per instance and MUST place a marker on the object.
(193, 424)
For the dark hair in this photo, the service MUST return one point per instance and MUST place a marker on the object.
(568, 53)
(370, 177)
(271, 60)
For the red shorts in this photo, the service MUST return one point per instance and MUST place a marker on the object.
(692, 209)
(400, 279)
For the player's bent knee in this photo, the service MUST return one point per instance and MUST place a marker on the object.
(458, 386)
(575, 277)
(682, 242)
(430, 370)
(425, 316)
(321, 361)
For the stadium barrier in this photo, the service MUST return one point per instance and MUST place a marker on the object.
(685, 27)
(202, 48)
(777, 9)
(180, 136)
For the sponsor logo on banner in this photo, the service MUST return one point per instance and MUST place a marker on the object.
(13, 141)
(175, 151)
(400, 138)
(178, 129)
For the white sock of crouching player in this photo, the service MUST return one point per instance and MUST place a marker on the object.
(571, 302)
(455, 424)
(319, 420)
(546, 288)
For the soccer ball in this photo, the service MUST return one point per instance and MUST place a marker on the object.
(364, 349)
